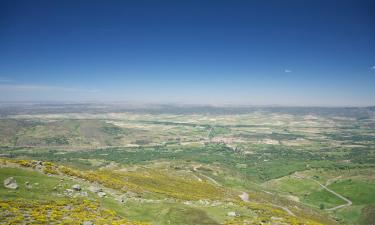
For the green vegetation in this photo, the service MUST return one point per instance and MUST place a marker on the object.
(63, 212)
(368, 214)
(181, 168)
(323, 197)
(40, 184)
(361, 193)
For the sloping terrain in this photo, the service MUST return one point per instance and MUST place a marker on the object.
(255, 167)
(182, 200)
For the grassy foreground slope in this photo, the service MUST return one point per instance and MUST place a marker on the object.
(138, 193)
(39, 199)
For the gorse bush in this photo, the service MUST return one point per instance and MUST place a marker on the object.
(67, 211)
(139, 182)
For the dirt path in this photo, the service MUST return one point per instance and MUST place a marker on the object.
(348, 202)
(199, 179)
(285, 209)
(245, 197)
(211, 179)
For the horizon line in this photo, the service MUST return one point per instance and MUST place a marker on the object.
(179, 104)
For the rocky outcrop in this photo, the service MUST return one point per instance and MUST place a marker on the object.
(102, 194)
(10, 183)
(95, 189)
(76, 187)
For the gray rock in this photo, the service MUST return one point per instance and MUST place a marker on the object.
(87, 222)
(101, 194)
(10, 183)
(84, 194)
(122, 198)
(131, 194)
(95, 189)
(231, 213)
(39, 165)
(28, 185)
(68, 192)
(76, 187)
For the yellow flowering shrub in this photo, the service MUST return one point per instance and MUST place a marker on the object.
(71, 211)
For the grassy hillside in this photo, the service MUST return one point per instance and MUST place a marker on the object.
(142, 194)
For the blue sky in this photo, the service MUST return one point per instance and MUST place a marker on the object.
(263, 52)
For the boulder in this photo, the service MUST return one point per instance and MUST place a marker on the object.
(10, 183)
(122, 198)
(131, 194)
(76, 187)
(87, 222)
(231, 213)
(28, 185)
(101, 194)
(39, 165)
(95, 189)
(68, 192)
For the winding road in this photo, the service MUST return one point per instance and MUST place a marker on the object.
(245, 197)
(211, 179)
(348, 202)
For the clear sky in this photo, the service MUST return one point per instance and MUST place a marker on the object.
(302, 52)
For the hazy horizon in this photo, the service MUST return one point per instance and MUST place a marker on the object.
(145, 104)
